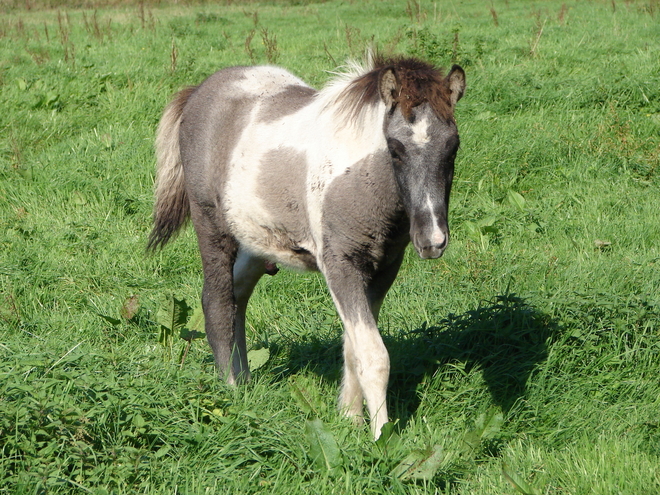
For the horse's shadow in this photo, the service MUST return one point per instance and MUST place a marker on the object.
(505, 338)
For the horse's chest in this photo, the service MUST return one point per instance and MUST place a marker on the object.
(361, 212)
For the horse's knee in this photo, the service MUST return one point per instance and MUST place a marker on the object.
(373, 364)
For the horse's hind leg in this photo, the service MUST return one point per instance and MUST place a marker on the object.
(248, 269)
(218, 250)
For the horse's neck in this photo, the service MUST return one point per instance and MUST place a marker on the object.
(346, 141)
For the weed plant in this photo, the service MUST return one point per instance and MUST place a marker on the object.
(526, 360)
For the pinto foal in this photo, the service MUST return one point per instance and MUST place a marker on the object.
(338, 180)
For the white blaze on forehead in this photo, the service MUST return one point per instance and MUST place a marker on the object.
(420, 131)
(437, 236)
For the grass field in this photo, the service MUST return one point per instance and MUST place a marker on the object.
(526, 360)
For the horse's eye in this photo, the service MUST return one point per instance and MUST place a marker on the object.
(397, 149)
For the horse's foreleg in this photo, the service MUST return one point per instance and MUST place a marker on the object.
(351, 398)
(381, 282)
(367, 364)
(371, 367)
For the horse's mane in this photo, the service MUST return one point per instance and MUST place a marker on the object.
(355, 90)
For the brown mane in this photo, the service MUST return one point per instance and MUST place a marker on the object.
(418, 82)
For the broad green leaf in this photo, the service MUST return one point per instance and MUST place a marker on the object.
(172, 313)
(78, 198)
(196, 322)
(164, 336)
(516, 199)
(387, 436)
(161, 452)
(139, 421)
(492, 423)
(407, 464)
(487, 115)
(250, 414)
(518, 483)
(26, 173)
(195, 329)
(471, 228)
(257, 358)
(323, 447)
(420, 464)
(171, 316)
(190, 335)
(487, 222)
(301, 393)
(165, 312)
(487, 425)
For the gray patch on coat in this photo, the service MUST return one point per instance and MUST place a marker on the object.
(364, 224)
(288, 101)
(282, 190)
(211, 125)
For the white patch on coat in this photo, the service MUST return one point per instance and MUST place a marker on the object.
(437, 236)
(265, 81)
(420, 131)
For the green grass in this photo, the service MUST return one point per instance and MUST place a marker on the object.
(526, 360)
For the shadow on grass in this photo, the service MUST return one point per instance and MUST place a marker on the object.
(504, 338)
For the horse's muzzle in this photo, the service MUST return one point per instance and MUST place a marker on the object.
(431, 247)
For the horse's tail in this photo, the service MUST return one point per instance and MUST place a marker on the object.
(172, 208)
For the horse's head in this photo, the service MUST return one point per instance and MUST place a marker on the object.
(423, 140)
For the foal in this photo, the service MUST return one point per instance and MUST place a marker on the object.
(338, 180)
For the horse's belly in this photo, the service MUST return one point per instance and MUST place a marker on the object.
(274, 243)
(265, 203)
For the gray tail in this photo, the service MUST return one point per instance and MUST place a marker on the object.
(172, 208)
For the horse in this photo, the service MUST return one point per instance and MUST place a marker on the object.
(339, 180)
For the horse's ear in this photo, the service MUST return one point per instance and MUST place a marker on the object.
(387, 87)
(456, 83)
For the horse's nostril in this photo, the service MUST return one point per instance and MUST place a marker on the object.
(432, 251)
(431, 246)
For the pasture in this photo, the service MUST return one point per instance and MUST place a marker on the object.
(525, 360)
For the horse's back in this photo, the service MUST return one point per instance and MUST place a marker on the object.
(237, 165)
(219, 110)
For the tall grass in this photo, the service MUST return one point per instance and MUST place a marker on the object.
(525, 360)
